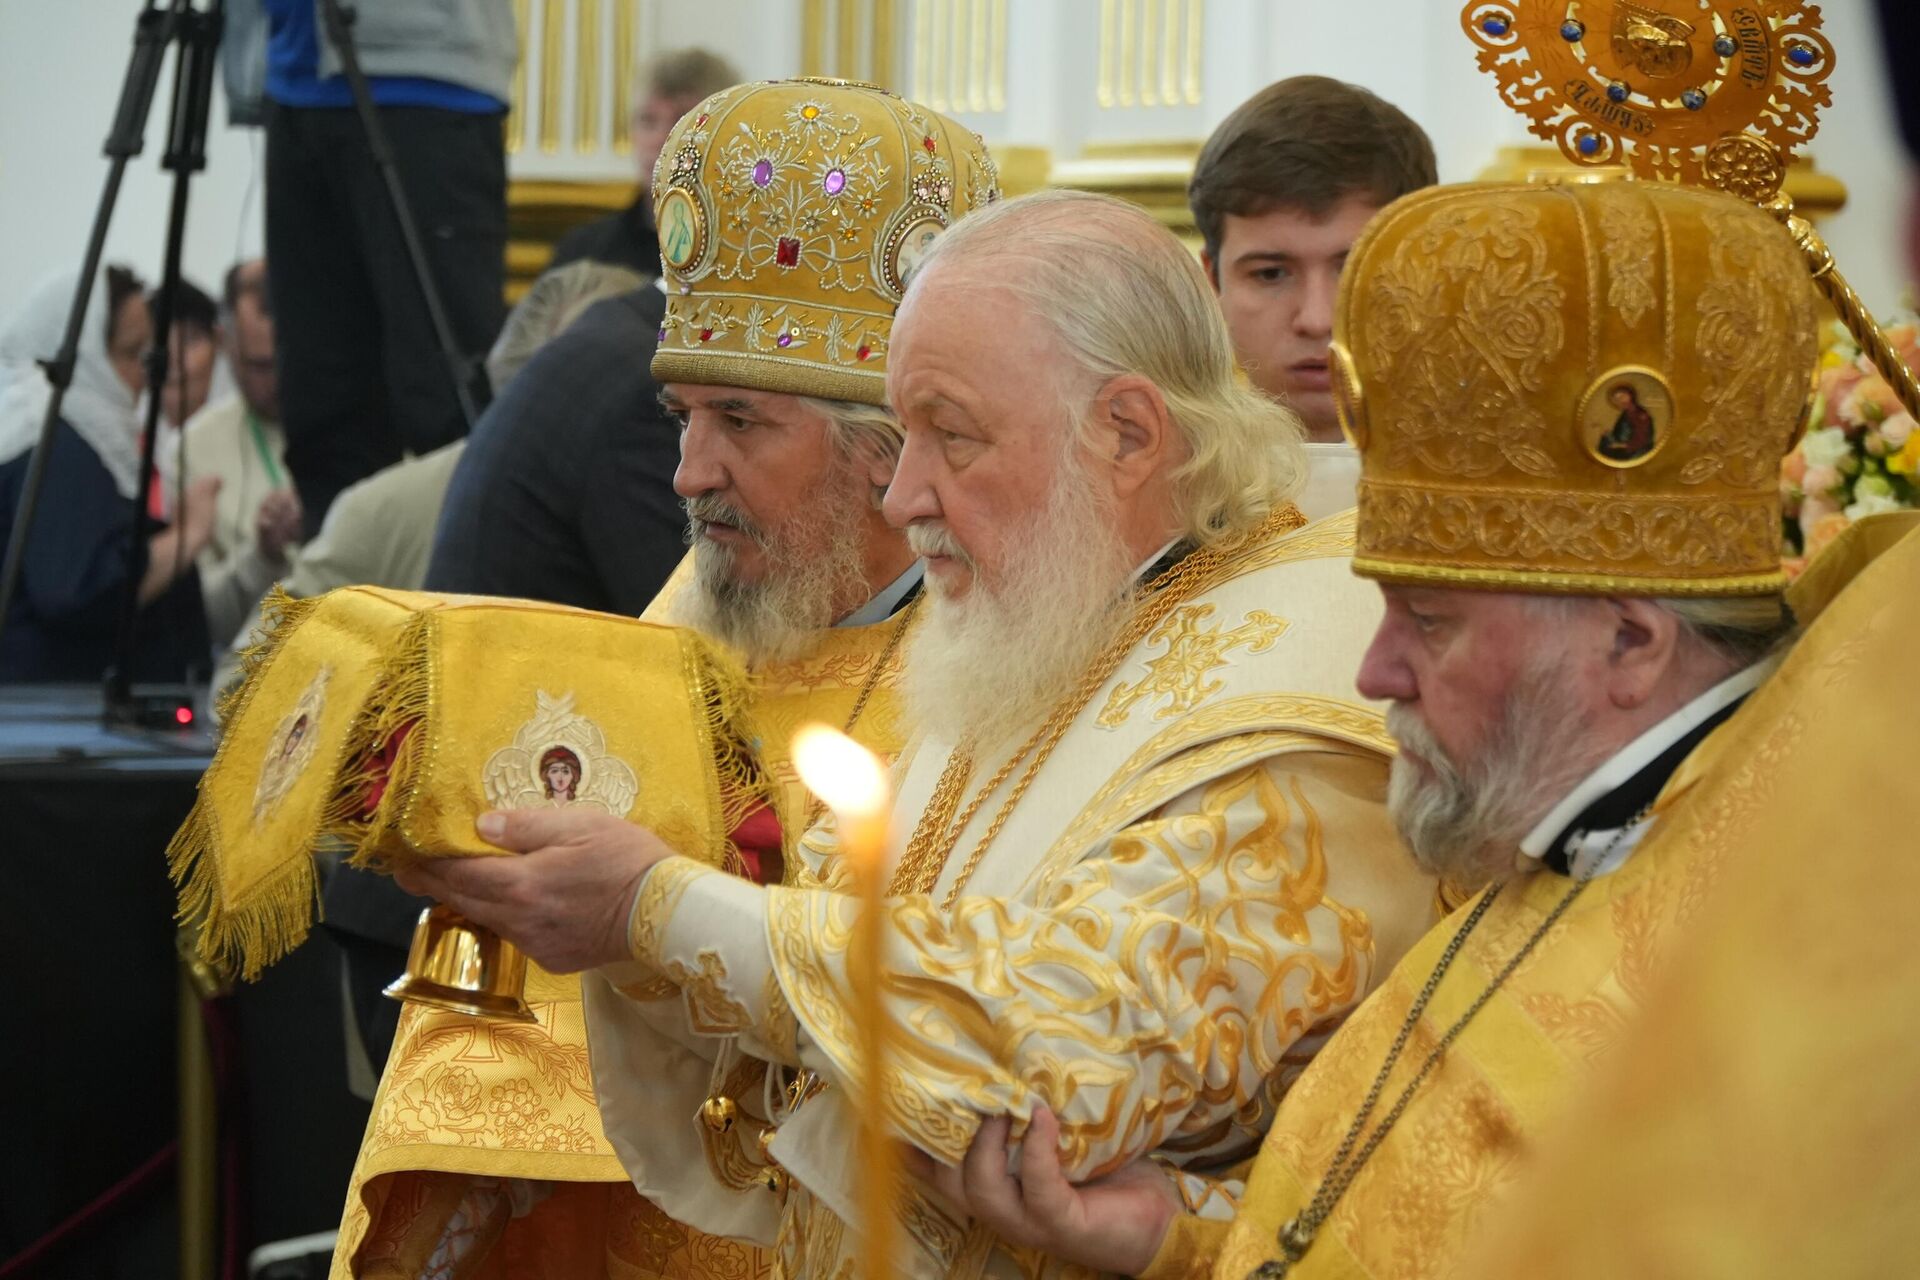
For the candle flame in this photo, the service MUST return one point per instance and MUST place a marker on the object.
(844, 774)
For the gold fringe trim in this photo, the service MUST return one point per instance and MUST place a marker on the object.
(229, 938)
(280, 911)
(403, 696)
(741, 783)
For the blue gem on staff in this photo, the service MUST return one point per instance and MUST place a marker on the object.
(1495, 27)
(1725, 46)
(1800, 56)
(1572, 29)
(1693, 99)
(1617, 92)
(1589, 144)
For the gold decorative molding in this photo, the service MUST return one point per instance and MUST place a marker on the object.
(1152, 175)
(540, 212)
(588, 44)
(960, 54)
(585, 50)
(553, 57)
(517, 107)
(626, 16)
(850, 39)
(1150, 53)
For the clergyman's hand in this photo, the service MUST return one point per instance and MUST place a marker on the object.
(565, 901)
(1114, 1223)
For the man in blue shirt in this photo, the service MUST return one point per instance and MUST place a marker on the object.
(362, 381)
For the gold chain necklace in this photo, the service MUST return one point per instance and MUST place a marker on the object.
(880, 665)
(1297, 1235)
(938, 832)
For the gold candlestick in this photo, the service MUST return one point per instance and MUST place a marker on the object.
(850, 780)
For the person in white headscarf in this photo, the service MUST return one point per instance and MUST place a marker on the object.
(62, 622)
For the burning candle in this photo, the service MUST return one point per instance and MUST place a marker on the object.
(850, 780)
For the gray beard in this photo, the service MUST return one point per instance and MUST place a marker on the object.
(810, 566)
(1465, 823)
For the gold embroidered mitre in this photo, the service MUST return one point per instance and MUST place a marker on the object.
(790, 214)
(1573, 388)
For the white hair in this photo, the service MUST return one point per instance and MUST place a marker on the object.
(1741, 629)
(1125, 297)
(855, 428)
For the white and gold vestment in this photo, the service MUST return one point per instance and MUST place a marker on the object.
(1197, 887)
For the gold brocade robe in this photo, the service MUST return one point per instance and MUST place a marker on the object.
(1765, 1103)
(1417, 1205)
(468, 1103)
(1199, 884)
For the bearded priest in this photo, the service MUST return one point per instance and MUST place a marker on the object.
(486, 1154)
(1147, 865)
(1604, 699)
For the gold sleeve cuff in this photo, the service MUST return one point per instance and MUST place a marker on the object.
(660, 892)
(1188, 1250)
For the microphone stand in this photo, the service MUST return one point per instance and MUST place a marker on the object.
(198, 35)
(339, 21)
(153, 31)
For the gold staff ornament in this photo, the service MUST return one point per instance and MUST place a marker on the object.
(1652, 85)
(1715, 93)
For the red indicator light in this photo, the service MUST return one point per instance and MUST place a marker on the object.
(183, 715)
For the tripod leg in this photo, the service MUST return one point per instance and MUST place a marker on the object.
(153, 31)
(186, 154)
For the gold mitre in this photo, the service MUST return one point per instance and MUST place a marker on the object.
(790, 214)
(1583, 388)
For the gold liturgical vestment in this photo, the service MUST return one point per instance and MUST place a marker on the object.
(1200, 883)
(466, 1104)
(1527, 1057)
(1765, 1103)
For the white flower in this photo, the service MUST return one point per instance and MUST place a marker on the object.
(1871, 504)
(1827, 447)
(1895, 430)
(1873, 486)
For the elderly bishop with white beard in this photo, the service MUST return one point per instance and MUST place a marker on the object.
(1146, 867)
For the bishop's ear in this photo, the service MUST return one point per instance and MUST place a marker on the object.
(1646, 644)
(1133, 429)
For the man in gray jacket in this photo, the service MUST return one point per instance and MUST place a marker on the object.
(362, 381)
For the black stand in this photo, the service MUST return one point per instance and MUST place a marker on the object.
(339, 21)
(198, 34)
(153, 32)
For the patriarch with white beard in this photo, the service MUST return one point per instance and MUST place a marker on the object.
(1058, 600)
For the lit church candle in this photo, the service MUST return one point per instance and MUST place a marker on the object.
(851, 781)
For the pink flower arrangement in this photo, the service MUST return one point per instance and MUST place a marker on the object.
(1860, 454)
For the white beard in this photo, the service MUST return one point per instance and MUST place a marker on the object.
(988, 666)
(1466, 823)
(812, 563)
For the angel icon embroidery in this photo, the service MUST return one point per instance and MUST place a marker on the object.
(291, 747)
(559, 758)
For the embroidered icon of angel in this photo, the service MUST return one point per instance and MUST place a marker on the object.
(559, 758)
